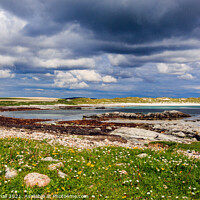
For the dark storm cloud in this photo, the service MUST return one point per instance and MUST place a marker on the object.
(129, 21)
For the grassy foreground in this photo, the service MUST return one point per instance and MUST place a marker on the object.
(100, 173)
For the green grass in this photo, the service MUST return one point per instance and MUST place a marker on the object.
(77, 101)
(96, 173)
(173, 145)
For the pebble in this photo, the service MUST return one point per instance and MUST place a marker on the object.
(142, 155)
(55, 166)
(61, 174)
(50, 159)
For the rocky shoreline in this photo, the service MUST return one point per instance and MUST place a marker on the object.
(166, 115)
(100, 130)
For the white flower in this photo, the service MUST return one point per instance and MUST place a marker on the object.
(148, 193)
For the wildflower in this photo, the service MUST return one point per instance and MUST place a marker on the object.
(57, 189)
(162, 168)
(92, 165)
(148, 193)
(123, 197)
(63, 188)
(79, 172)
(88, 164)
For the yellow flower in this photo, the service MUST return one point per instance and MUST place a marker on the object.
(123, 197)
(77, 177)
(79, 172)
(63, 188)
(17, 153)
(162, 168)
(57, 189)
(181, 172)
(92, 165)
(88, 164)
(34, 164)
(135, 147)
(72, 151)
(183, 164)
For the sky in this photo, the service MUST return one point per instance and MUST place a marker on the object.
(100, 49)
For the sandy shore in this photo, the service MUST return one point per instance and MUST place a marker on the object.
(29, 99)
(140, 104)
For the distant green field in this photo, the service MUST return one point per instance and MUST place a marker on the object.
(77, 101)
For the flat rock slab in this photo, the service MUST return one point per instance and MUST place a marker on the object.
(34, 178)
(142, 134)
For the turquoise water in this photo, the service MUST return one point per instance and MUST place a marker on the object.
(78, 114)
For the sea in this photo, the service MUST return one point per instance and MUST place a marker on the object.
(194, 111)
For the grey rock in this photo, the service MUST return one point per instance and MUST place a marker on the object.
(142, 155)
(10, 173)
(61, 174)
(50, 159)
(55, 166)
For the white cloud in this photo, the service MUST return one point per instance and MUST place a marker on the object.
(196, 87)
(35, 78)
(186, 76)
(55, 63)
(6, 61)
(109, 79)
(6, 74)
(75, 79)
(48, 74)
(173, 69)
(10, 25)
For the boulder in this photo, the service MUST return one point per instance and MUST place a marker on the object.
(34, 178)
